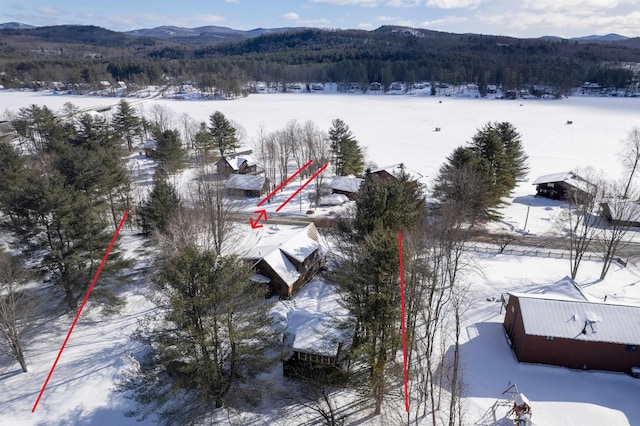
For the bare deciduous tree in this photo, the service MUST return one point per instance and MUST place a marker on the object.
(16, 307)
(621, 213)
(631, 156)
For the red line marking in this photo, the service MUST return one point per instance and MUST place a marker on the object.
(302, 187)
(95, 278)
(285, 182)
(404, 327)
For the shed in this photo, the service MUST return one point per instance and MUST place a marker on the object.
(622, 212)
(561, 185)
(320, 348)
(346, 185)
(247, 185)
(573, 333)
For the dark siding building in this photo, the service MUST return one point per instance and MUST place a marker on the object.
(573, 334)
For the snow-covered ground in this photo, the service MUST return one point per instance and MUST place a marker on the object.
(393, 129)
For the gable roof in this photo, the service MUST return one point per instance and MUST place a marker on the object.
(570, 178)
(397, 169)
(605, 322)
(345, 183)
(277, 247)
(245, 182)
(626, 211)
(236, 161)
(324, 335)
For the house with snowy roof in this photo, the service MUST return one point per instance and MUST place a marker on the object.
(394, 172)
(286, 259)
(320, 349)
(246, 185)
(561, 185)
(573, 333)
(622, 212)
(240, 164)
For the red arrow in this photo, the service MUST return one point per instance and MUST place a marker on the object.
(255, 224)
(285, 182)
(302, 187)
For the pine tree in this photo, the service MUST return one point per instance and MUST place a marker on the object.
(204, 143)
(127, 123)
(223, 132)
(170, 152)
(347, 154)
(215, 337)
(160, 206)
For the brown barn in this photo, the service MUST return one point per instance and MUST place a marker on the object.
(559, 185)
(243, 165)
(395, 171)
(247, 185)
(573, 333)
(287, 259)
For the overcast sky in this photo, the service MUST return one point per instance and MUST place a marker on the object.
(518, 18)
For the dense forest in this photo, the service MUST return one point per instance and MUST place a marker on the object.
(82, 56)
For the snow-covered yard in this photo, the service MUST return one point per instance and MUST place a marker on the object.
(394, 129)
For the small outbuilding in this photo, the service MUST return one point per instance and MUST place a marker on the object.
(394, 172)
(559, 186)
(573, 333)
(346, 185)
(247, 185)
(622, 213)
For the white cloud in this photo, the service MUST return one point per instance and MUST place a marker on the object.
(49, 10)
(453, 4)
(291, 16)
(403, 3)
(565, 24)
(574, 5)
(295, 18)
(364, 26)
(363, 3)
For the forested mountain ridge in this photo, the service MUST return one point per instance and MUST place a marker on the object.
(88, 54)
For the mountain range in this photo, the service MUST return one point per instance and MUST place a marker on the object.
(213, 33)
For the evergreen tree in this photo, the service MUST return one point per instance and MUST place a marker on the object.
(160, 206)
(127, 123)
(478, 176)
(171, 154)
(347, 154)
(223, 132)
(214, 339)
(204, 143)
(396, 204)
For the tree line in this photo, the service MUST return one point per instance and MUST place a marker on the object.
(311, 55)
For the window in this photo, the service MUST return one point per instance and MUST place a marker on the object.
(632, 348)
(549, 337)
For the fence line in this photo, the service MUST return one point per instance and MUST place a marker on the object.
(536, 253)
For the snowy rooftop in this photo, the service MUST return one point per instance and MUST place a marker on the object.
(398, 169)
(543, 316)
(236, 161)
(323, 336)
(569, 178)
(276, 243)
(565, 289)
(625, 211)
(245, 182)
(346, 183)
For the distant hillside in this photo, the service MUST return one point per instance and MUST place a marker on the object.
(217, 56)
(207, 34)
(15, 26)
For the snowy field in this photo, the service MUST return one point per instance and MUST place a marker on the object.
(393, 129)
